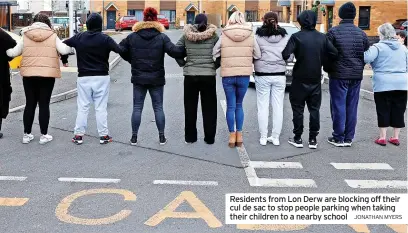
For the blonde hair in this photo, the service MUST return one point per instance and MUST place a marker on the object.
(237, 18)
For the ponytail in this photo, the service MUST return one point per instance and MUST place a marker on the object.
(202, 27)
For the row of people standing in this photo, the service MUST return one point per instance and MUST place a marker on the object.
(234, 51)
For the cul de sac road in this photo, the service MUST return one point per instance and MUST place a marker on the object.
(178, 188)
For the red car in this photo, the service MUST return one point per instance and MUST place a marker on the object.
(163, 20)
(125, 22)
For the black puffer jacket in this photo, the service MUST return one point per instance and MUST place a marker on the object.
(351, 43)
(145, 48)
(6, 42)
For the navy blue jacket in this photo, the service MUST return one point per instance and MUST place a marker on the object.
(351, 42)
(145, 49)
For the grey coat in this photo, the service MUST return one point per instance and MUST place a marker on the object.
(271, 48)
(199, 47)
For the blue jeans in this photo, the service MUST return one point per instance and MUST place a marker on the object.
(344, 97)
(235, 89)
(139, 95)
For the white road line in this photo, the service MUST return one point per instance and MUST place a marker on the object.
(186, 182)
(287, 183)
(14, 178)
(88, 180)
(264, 164)
(362, 166)
(377, 184)
(243, 156)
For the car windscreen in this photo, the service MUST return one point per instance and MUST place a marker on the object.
(289, 30)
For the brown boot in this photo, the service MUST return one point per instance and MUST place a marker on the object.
(240, 140)
(232, 140)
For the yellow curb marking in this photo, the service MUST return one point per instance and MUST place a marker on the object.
(201, 211)
(271, 227)
(62, 209)
(398, 228)
(13, 201)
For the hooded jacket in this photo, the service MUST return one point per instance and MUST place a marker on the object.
(351, 42)
(145, 48)
(311, 48)
(237, 48)
(271, 61)
(6, 42)
(39, 48)
(199, 47)
(93, 48)
(389, 60)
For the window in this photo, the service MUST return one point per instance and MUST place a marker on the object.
(169, 14)
(298, 10)
(364, 17)
(251, 16)
(137, 13)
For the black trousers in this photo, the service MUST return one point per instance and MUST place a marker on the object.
(37, 90)
(391, 107)
(204, 86)
(302, 94)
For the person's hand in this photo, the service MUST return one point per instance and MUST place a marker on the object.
(65, 65)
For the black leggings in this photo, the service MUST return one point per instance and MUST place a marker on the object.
(37, 90)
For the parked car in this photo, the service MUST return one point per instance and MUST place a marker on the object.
(290, 29)
(125, 22)
(60, 22)
(163, 20)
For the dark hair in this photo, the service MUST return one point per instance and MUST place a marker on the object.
(270, 20)
(201, 22)
(42, 19)
(402, 34)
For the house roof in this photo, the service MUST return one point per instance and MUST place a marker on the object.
(111, 4)
(190, 7)
(232, 7)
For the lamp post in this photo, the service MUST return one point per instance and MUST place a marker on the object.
(71, 17)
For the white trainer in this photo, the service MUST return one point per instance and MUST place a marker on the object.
(45, 139)
(274, 141)
(263, 141)
(27, 138)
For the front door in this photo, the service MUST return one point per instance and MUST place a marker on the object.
(111, 19)
(190, 17)
(329, 17)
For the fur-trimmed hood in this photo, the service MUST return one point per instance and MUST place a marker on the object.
(148, 25)
(192, 34)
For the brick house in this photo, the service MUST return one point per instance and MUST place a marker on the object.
(370, 14)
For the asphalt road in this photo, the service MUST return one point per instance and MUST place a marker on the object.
(131, 196)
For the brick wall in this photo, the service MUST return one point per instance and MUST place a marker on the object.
(381, 12)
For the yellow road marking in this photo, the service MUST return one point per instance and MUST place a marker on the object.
(13, 201)
(62, 209)
(360, 228)
(201, 211)
(272, 227)
(398, 228)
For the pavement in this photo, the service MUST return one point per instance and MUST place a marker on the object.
(62, 187)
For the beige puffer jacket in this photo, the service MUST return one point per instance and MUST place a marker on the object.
(237, 47)
(40, 56)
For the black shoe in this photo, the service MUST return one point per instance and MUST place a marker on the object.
(162, 139)
(133, 140)
(296, 142)
(105, 139)
(348, 143)
(1, 135)
(77, 140)
(209, 141)
(313, 143)
(335, 142)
